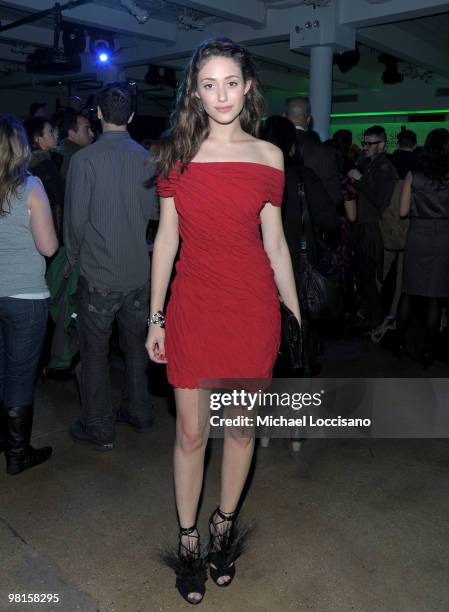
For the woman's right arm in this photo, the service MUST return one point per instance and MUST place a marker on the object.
(406, 196)
(41, 221)
(351, 210)
(164, 252)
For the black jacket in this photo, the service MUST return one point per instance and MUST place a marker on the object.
(323, 161)
(404, 162)
(323, 214)
(45, 165)
(374, 191)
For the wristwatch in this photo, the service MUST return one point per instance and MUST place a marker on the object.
(157, 319)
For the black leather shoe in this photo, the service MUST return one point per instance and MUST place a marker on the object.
(78, 433)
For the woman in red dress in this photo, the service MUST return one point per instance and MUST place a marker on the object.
(219, 186)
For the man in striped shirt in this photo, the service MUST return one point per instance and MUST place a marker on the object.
(107, 208)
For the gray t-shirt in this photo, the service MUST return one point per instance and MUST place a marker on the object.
(22, 267)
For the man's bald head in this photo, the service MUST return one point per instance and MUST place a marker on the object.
(298, 111)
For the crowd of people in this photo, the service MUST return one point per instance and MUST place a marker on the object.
(252, 212)
(365, 207)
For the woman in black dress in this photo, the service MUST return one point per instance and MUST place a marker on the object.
(320, 228)
(425, 198)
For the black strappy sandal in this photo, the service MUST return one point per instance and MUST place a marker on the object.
(189, 566)
(225, 546)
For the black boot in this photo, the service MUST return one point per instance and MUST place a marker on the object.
(19, 454)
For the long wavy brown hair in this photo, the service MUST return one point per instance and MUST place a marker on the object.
(14, 159)
(189, 123)
(435, 156)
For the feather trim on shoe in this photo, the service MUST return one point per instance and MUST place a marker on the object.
(184, 566)
(191, 572)
(224, 558)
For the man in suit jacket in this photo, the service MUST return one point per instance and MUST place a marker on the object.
(319, 158)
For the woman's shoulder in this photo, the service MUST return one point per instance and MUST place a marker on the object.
(269, 154)
(32, 181)
(34, 190)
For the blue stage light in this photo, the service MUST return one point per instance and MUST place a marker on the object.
(103, 57)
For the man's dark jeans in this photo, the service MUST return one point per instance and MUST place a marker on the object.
(97, 310)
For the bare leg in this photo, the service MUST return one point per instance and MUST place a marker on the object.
(192, 431)
(237, 456)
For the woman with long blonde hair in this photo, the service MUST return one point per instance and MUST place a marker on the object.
(27, 234)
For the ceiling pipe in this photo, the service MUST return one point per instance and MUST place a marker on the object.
(55, 11)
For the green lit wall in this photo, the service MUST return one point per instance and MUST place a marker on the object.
(359, 125)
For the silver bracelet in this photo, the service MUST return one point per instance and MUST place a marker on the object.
(157, 319)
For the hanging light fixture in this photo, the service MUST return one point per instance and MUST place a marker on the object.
(391, 74)
(101, 45)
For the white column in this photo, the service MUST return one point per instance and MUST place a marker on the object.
(320, 90)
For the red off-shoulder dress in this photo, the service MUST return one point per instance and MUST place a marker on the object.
(223, 317)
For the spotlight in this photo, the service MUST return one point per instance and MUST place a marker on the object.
(347, 60)
(101, 45)
(391, 75)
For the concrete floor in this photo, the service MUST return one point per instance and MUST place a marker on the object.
(343, 525)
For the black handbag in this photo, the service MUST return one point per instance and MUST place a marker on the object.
(319, 289)
(291, 339)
